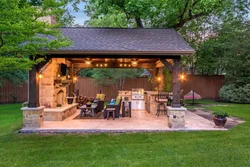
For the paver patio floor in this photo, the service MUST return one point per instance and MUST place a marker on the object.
(141, 120)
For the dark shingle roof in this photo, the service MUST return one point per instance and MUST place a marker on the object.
(125, 40)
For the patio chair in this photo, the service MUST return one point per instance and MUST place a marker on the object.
(100, 99)
(113, 107)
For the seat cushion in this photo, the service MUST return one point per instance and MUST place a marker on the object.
(112, 102)
(100, 96)
(118, 99)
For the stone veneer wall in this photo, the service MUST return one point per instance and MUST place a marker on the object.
(59, 114)
(48, 90)
(33, 117)
(176, 117)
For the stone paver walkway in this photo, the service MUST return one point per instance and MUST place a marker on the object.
(231, 121)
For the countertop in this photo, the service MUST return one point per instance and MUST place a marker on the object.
(152, 93)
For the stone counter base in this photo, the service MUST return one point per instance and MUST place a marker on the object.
(176, 117)
(33, 117)
(59, 114)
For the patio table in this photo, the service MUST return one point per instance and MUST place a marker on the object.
(88, 110)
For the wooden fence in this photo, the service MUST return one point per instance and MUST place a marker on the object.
(206, 86)
(89, 88)
(11, 93)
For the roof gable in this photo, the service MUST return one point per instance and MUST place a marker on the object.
(126, 40)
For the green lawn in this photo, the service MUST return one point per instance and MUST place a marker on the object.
(220, 148)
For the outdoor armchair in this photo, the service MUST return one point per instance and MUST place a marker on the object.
(116, 106)
(100, 99)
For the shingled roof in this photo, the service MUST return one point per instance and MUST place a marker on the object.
(117, 40)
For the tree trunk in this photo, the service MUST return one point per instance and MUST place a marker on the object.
(138, 22)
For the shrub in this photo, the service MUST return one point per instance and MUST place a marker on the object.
(232, 93)
(220, 114)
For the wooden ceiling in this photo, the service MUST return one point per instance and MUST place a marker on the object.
(113, 63)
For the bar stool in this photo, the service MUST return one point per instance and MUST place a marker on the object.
(162, 106)
(162, 102)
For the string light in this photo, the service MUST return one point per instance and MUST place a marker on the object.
(88, 62)
(134, 63)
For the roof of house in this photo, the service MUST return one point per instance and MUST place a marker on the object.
(166, 41)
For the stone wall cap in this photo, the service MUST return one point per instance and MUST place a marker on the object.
(176, 109)
(32, 108)
(60, 109)
(152, 93)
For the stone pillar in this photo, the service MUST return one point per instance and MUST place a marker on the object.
(33, 117)
(176, 117)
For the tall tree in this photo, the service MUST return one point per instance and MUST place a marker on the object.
(198, 31)
(24, 34)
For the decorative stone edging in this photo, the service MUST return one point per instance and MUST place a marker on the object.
(89, 131)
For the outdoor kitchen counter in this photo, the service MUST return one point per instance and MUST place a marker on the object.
(150, 103)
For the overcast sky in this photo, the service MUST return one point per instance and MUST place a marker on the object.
(80, 16)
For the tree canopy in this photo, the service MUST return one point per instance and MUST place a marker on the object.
(23, 34)
(152, 13)
(109, 76)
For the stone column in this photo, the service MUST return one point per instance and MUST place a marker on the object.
(176, 117)
(33, 117)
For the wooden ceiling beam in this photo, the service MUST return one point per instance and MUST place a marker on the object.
(167, 64)
(116, 65)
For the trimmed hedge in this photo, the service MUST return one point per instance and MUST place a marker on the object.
(231, 93)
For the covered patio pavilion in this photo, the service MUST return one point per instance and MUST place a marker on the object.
(104, 48)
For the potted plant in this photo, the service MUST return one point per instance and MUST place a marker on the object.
(220, 118)
(88, 104)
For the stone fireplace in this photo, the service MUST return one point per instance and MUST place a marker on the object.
(51, 92)
(60, 98)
